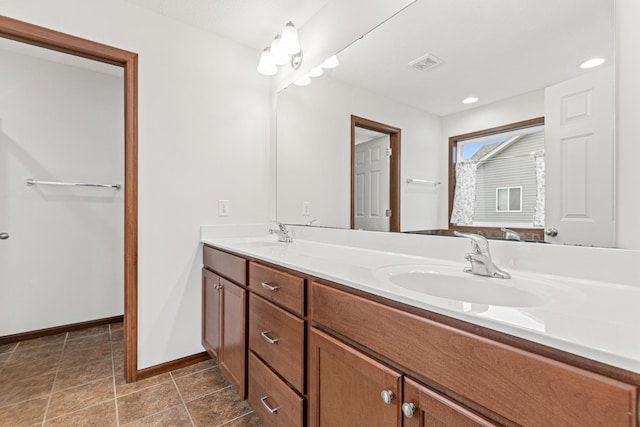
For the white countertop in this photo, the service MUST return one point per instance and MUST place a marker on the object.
(595, 319)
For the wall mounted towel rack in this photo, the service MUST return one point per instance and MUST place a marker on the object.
(31, 181)
(422, 181)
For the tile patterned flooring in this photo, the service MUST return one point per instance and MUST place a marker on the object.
(77, 379)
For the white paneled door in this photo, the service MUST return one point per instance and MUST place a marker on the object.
(372, 185)
(579, 155)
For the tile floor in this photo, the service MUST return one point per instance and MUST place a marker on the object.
(76, 379)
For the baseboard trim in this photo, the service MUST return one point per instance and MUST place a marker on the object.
(172, 365)
(6, 339)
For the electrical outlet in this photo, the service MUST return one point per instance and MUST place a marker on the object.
(306, 208)
(223, 208)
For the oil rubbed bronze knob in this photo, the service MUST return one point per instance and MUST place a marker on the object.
(4, 236)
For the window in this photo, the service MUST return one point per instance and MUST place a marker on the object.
(496, 179)
(509, 199)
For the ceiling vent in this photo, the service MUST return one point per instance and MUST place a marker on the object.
(425, 62)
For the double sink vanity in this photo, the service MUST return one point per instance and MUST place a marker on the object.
(352, 328)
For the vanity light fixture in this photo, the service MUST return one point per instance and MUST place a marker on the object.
(284, 49)
(470, 100)
(316, 72)
(592, 63)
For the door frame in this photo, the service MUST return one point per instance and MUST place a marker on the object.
(49, 39)
(394, 166)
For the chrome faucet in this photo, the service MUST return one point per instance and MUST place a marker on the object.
(480, 257)
(282, 233)
(511, 234)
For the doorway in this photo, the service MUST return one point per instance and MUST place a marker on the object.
(49, 39)
(375, 176)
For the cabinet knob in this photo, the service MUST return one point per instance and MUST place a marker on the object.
(408, 409)
(387, 396)
(4, 236)
(269, 287)
(552, 232)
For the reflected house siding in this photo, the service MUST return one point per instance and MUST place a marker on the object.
(512, 172)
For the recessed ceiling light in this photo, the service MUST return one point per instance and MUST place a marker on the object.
(592, 63)
(470, 100)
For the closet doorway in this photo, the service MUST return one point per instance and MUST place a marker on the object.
(48, 39)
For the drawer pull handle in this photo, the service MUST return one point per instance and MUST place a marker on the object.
(269, 287)
(266, 405)
(408, 409)
(387, 396)
(267, 339)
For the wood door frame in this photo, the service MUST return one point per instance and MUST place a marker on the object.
(394, 167)
(49, 39)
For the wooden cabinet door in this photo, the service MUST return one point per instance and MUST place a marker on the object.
(233, 352)
(345, 386)
(428, 408)
(211, 307)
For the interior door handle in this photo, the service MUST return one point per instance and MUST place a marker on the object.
(4, 236)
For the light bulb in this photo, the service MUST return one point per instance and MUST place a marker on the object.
(315, 72)
(331, 62)
(470, 100)
(289, 40)
(303, 81)
(266, 66)
(278, 56)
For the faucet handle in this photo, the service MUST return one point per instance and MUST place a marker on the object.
(479, 244)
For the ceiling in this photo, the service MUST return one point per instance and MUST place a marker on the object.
(492, 49)
(252, 23)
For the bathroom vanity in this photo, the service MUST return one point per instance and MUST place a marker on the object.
(317, 334)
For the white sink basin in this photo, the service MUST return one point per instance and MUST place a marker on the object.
(452, 283)
(260, 243)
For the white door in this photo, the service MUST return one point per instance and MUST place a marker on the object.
(372, 185)
(579, 155)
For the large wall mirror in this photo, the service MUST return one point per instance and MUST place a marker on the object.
(522, 61)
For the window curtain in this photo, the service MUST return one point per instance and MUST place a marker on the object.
(464, 199)
(538, 213)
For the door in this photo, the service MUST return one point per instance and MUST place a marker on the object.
(211, 312)
(579, 155)
(424, 407)
(62, 122)
(346, 387)
(372, 184)
(233, 348)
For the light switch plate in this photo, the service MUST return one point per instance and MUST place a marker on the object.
(306, 208)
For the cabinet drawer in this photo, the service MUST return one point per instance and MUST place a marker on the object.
(523, 387)
(277, 286)
(285, 352)
(230, 266)
(273, 401)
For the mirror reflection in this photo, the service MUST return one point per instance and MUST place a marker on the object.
(520, 62)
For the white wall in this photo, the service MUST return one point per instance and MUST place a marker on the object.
(628, 135)
(203, 136)
(314, 157)
(63, 261)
